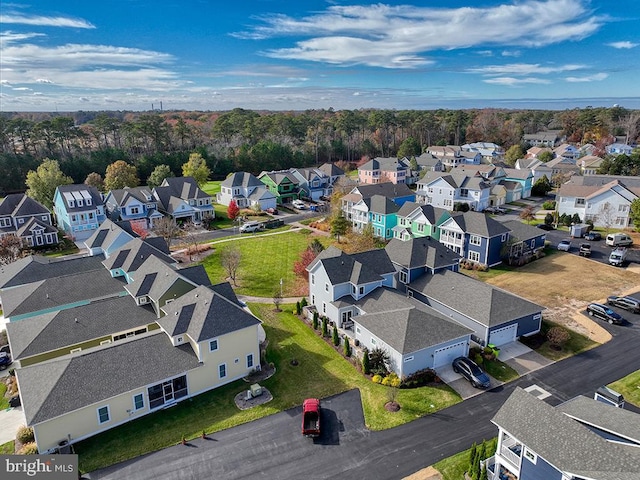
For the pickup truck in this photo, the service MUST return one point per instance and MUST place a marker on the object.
(585, 250)
(311, 417)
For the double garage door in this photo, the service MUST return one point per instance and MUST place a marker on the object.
(446, 355)
(501, 336)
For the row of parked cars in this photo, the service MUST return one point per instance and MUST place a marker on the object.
(604, 312)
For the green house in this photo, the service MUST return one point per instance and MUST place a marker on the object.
(416, 220)
(283, 185)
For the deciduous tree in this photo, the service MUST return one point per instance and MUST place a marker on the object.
(635, 213)
(158, 175)
(95, 180)
(167, 229)
(120, 175)
(233, 210)
(230, 259)
(10, 249)
(527, 214)
(42, 182)
(197, 168)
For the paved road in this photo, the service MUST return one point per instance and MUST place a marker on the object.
(273, 448)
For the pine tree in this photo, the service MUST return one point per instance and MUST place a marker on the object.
(473, 452)
(483, 473)
(336, 338)
(347, 347)
(298, 308)
(366, 368)
(315, 320)
(325, 327)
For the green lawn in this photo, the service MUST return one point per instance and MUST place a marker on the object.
(4, 402)
(212, 187)
(321, 372)
(8, 448)
(629, 387)
(453, 468)
(576, 344)
(265, 260)
(499, 370)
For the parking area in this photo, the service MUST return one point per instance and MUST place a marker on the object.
(631, 320)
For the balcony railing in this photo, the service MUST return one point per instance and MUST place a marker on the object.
(508, 453)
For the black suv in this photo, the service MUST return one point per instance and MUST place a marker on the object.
(472, 372)
(627, 303)
(604, 313)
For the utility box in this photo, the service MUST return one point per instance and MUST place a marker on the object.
(611, 397)
(256, 390)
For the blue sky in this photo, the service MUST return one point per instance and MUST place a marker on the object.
(283, 55)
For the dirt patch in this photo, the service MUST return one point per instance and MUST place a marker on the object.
(428, 473)
(566, 284)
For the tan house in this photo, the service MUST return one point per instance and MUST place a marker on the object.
(87, 366)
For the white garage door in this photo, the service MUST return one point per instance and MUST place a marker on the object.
(504, 335)
(444, 356)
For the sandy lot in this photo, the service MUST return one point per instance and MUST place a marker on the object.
(565, 284)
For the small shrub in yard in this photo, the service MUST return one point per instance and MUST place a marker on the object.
(549, 205)
(28, 449)
(336, 338)
(303, 302)
(558, 337)
(25, 434)
(315, 320)
(298, 308)
(366, 366)
(391, 380)
(377, 378)
(419, 378)
(325, 327)
(347, 348)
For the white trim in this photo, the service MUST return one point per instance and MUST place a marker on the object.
(133, 398)
(225, 371)
(75, 350)
(217, 345)
(530, 455)
(100, 422)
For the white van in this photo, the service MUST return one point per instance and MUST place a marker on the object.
(251, 227)
(619, 240)
(618, 257)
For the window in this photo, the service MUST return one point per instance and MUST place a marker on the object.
(474, 256)
(103, 414)
(80, 203)
(44, 217)
(134, 210)
(167, 392)
(408, 359)
(222, 370)
(358, 330)
(133, 333)
(504, 237)
(138, 401)
(88, 200)
(579, 201)
(213, 345)
(474, 240)
(361, 290)
(250, 360)
(326, 287)
(313, 279)
(324, 307)
(403, 277)
(530, 455)
(73, 218)
(421, 227)
(75, 350)
(622, 208)
(373, 341)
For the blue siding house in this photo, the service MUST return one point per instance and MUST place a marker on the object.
(79, 210)
(418, 256)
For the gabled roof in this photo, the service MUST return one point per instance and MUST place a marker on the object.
(35, 268)
(523, 232)
(386, 189)
(242, 179)
(381, 205)
(35, 224)
(52, 331)
(132, 254)
(21, 205)
(478, 223)
(358, 268)
(565, 442)
(106, 233)
(204, 314)
(478, 300)
(330, 169)
(77, 192)
(142, 194)
(405, 324)
(421, 252)
(53, 388)
(153, 278)
(184, 187)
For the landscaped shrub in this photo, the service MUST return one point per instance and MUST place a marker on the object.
(315, 320)
(558, 337)
(379, 359)
(419, 379)
(549, 205)
(298, 308)
(347, 347)
(336, 338)
(366, 364)
(325, 327)
(377, 378)
(28, 449)
(391, 380)
(25, 434)
(303, 302)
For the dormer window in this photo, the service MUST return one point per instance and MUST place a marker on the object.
(80, 203)
(88, 200)
(72, 204)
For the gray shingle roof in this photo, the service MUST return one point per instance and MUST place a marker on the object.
(153, 278)
(421, 252)
(241, 179)
(522, 231)
(35, 268)
(55, 293)
(106, 233)
(484, 303)
(386, 189)
(132, 254)
(564, 442)
(358, 268)
(56, 387)
(479, 224)
(19, 204)
(405, 324)
(381, 205)
(330, 169)
(204, 314)
(51, 331)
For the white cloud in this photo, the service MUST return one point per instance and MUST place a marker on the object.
(511, 53)
(513, 81)
(523, 69)
(399, 36)
(590, 78)
(626, 45)
(42, 21)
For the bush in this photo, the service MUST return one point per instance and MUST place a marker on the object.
(315, 320)
(558, 337)
(325, 327)
(25, 434)
(419, 379)
(377, 379)
(347, 347)
(549, 205)
(366, 366)
(28, 449)
(303, 302)
(336, 338)
(298, 308)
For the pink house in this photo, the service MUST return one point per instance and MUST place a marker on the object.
(381, 170)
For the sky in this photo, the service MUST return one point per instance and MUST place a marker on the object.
(281, 55)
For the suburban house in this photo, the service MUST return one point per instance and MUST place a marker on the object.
(181, 199)
(489, 152)
(379, 211)
(283, 184)
(332, 172)
(475, 236)
(450, 155)
(384, 298)
(108, 237)
(147, 339)
(380, 170)
(548, 138)
(567, 150)
(315, 183)
(28, 220)
(517, 183)
(79, 210)
(538, 168)
(429, 162)
(604, 199)
(590, 164)
(397, 193)
(494, 315)
(524, 240)
(136, 205)
(416, 220)
(579, 439)
(247, 191)
(562, 166)
(619, 149)
(445, 190)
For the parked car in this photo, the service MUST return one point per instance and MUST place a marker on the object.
(626, 303)
(251, 227)
(564, 245)
(299, 204)
(619, 240)
(604, 313)
(585, 250)
(618, 257)
(545, 226)
(272, 211)
(5, 360)
(472, 372)
(593, 236)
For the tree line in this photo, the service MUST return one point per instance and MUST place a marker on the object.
(246, 140)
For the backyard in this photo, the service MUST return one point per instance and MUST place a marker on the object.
(629, 387)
